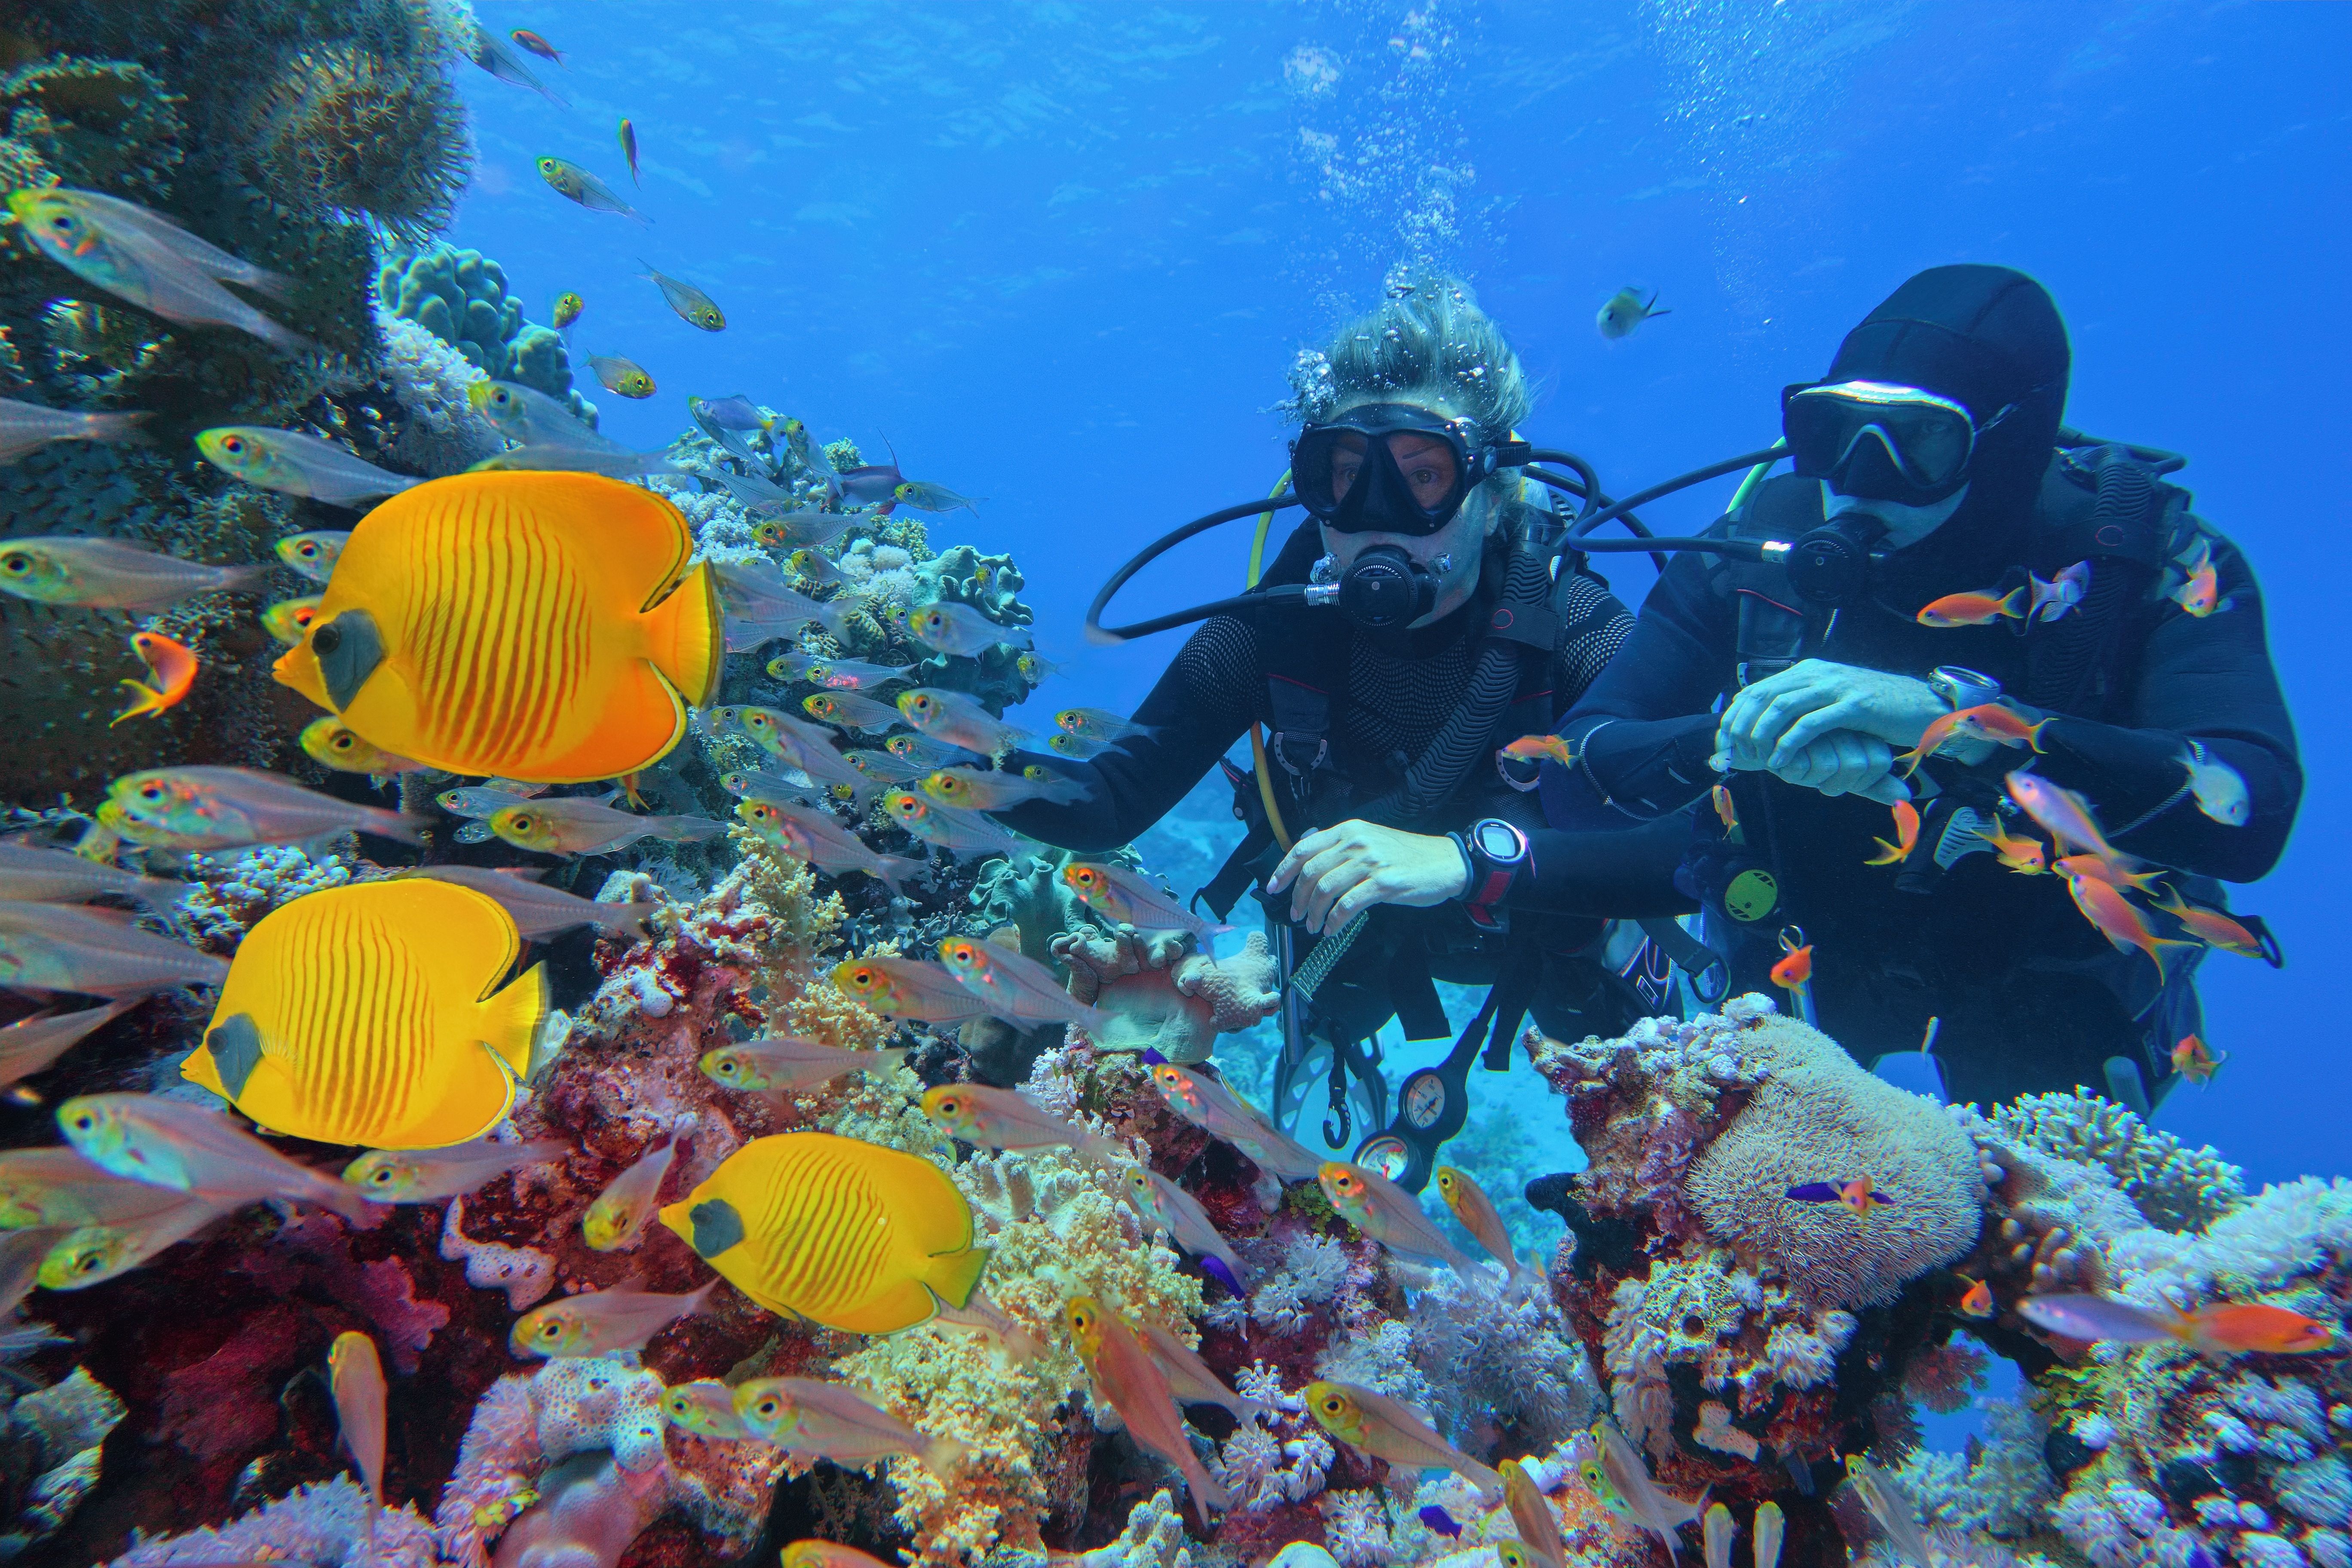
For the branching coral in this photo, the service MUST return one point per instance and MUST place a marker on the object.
(2177, 1188)
(324, 1525)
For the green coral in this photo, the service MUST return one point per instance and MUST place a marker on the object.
(2176, 1188)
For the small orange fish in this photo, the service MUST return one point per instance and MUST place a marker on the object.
(174, 667)
(2251, 1327)
(2116, 873)
(1528, 748)
(2024, 856)
(1724, 813)
(1973, 609)
(2119, 921)
(1907, 836)
(1978, 1303)
(536, 44)
(1859, 1194)
(2200, 594)
(2193, 1060)
(1795, 968)
(1986, 721)
(2213, 928)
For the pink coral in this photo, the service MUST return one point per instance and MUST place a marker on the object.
(325, 1526)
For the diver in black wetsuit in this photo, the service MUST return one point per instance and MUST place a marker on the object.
(1931, 462)
(1385, 773)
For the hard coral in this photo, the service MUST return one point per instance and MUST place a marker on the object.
(2177, 1188)
(460, 296)
(345, 130)
(1817, 1117)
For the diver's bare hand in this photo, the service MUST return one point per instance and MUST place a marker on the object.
(1783, 714)
(1341, 871)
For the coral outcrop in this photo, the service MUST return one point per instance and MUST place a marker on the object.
(460, 296)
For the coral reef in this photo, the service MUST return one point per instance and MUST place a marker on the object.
(2177, 1188)
(1162, 998)
(460, 297)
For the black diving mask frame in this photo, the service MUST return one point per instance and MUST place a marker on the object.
(1350, 472)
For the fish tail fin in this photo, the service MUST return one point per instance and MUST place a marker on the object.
(113, 426)
(686, 637)
(1910, 761)
(2164, 952)
(2034, 734)
(943, 1454)
(510, 1019)
(893, 871)
(1489, 1483)
(394, 825)
(2008, 603)
(145, 699)
(954, 1276)
(891, 1056)
(1888, 853)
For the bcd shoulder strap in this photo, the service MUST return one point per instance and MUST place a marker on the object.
(2106, 505)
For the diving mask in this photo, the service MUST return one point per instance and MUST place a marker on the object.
(1391, 467)
(1885, 441)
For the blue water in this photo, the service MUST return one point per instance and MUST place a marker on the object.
(1060, 257)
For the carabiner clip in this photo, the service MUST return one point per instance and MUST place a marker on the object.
(1338, 1121)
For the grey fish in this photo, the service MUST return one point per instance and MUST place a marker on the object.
(24, 425)
(1891, 1509)
(295, 464)
(694, 307)
(526, 414)
(494, 55)
(758, 783)
(476, 801)
(748, 487)
(420, 1175)
(103, 575)
(617, 464)
(1625, 310)
(569, 180)
(945, 627)
(29, 1045)
(816, 567)
(619, 374)
(812, 835)
(736, 412)
(198, 809)
(142, 256)
(573, 825)
(728, 437)
(927, 496)
(1661, 1512)
(849, 711)
(927, 754)
(540, 912)
(94, 952)
(32, 875)
(813, 530)
(960, 833)
(314, 553)
(873, 484)
(802, 744)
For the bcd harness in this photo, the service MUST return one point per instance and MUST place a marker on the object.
(2100, 502)
(1510, 694)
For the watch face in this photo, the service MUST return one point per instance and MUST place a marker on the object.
(1496, 840)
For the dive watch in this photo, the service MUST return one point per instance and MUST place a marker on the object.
(1962, 688)
(1495, 853)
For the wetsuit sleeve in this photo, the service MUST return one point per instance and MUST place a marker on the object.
(2207, 679)
(1621, 873)
(1645, 727)
(1201, 704)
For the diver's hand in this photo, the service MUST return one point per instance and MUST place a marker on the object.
(1344, 871)
(1784, 714)
(1841, 762)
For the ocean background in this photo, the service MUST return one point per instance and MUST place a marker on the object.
(1060, 257)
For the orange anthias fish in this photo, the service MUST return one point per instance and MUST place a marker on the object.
(174, 667)
(2200, 594)
(1528, 748)
(1907, 836)
(2226, 1328)
(536, 626)
(2195, 1061)
(1978, 1303)
(2120, 922)
(1725, 812)
(2115, 873)
(1973, 609)
(1987, 722)
(355, 1376)
(2024, 856)
(2213, 928)
(536, 44)
(1795, 968)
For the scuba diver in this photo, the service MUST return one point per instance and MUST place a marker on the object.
(1402, 637)
(1945, 545)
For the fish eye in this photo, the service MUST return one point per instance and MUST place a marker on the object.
(15, 561)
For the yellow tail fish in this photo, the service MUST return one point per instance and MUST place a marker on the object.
(850, 1234)
(370, 1015)
(537, 625)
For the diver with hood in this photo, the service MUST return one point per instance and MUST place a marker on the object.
(1945, 545)
(1398, 643)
